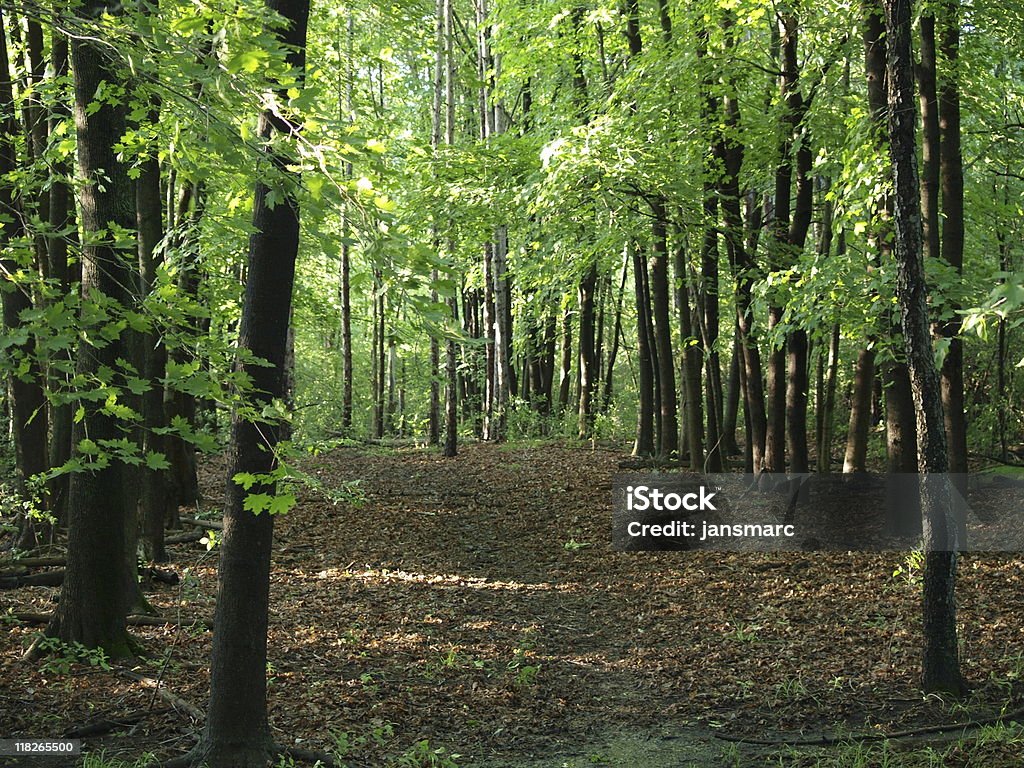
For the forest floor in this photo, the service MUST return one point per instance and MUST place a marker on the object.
(473, 607)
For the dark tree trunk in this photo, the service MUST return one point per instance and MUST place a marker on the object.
(827, 401)
(153, 495)
(587, 351)
(183, 480)
(941, 663)
(565, 372)
(952, 180)
(744, 272)
(692, 416)
(237, 732)
(661, 298)
(27, 401)
(644, 445)
(732, 400)
(93, 603)
(856, 456)
(346, 329)
(613, 352)
(63, 231)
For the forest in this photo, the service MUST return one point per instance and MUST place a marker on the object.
(333, 332)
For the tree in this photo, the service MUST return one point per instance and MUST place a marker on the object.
(28, 406)
(237, 731)
(96, 595)
(941, 666)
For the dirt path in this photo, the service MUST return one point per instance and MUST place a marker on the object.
(475, 604)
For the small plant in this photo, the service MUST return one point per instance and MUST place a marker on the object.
(791, 689)
(348, 742)
(747, 633)
(911, 569)
(520, 674)
(61, 656)
(422, 755)
(574, 546)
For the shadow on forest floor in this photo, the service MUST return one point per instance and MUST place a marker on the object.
(475, 604)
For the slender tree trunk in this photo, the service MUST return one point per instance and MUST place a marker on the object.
(692, 416)
(951, 170)
(237, 733)
(27, 401)
(609, 373)
(661, 298)
(941, 662)
(732, 400)
(644, 445)
(93, 604)
(587, 352)
(827, 402)
(565, 375)
(153, 497)
(860, 412)
(63, 230)
(744, 272)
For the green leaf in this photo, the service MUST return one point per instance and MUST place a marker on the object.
(157, 461)
(257, 502)
(281, 503)
(245, 479)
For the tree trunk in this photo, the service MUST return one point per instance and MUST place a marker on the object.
(744, 271)
(63, 230)
(732, 400)
(237, 733)
(827, 402)
(93, 605)
(587, 352)
(951, 169)
(565, 374)
(661, 298)
(941, 663)
(153, 497)
(644, 445)
(856, 456)
(692, 417)
(27, 401)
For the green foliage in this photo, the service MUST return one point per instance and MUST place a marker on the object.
(912, 570)
(61, 657)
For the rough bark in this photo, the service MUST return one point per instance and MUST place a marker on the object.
(93, 604)
(951, 169)
(27, 401)
(237, 732)
(856, 456)
(941, 663)
(669, 434)
(644, 445)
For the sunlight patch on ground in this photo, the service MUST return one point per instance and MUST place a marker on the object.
(385, 575)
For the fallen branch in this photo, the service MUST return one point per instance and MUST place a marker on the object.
(185, 538)
(47, 579)
(106, 725)
(828, 741)
(176, 702)
(216, 525)
(35, 562)
(135, 620)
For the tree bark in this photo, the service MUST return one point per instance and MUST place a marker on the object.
(237, 733)
(93, 604)
(941, 662)
(856, 456)
(27, 401)
(668, 443)
(644, 445)
(951, 169)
